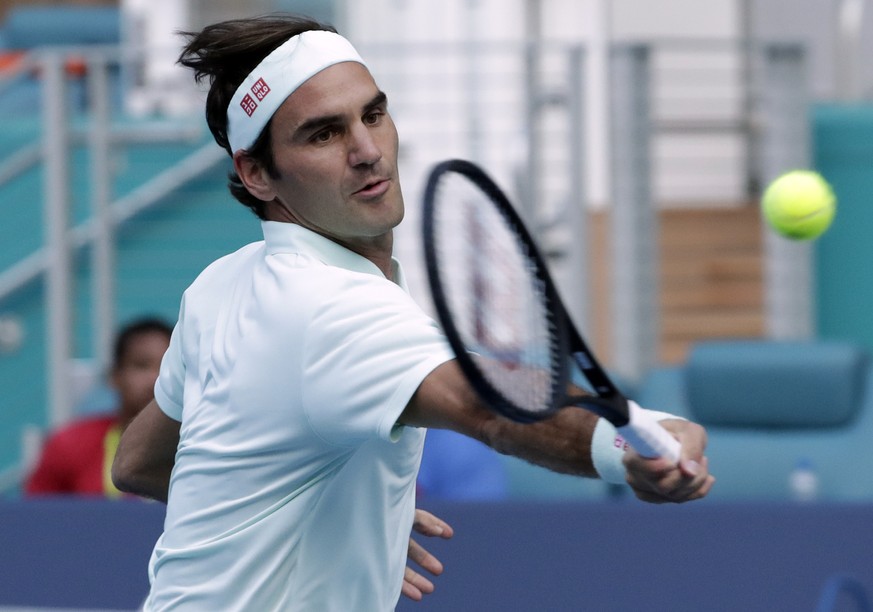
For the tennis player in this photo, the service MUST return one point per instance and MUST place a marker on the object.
(292, 404)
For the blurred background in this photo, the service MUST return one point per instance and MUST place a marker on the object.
(636, 137)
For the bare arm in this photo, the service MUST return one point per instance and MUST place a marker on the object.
(146, 454)
(561, 443)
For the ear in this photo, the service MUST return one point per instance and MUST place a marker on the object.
(253, 176)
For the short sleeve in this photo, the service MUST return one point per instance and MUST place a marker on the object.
(365, 355)
(171, 381)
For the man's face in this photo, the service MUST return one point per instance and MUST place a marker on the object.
(335, 148)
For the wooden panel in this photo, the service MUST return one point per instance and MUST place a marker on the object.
(711, 278)
(727, 294)
(708, 267)
(691, 325)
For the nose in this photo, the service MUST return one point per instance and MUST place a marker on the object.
(364, 150)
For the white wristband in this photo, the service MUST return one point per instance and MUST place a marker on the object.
(608, 446)
(607, 450)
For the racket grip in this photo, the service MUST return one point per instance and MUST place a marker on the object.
(647, 437)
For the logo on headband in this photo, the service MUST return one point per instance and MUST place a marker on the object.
(248, 105)
(260, 90)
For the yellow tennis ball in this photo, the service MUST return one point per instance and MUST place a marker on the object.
(799, 205)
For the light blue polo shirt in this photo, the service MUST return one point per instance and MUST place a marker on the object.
(293, 488)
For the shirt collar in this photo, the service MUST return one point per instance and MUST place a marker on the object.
(282, 237)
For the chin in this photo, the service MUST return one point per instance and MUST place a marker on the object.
(394, 213)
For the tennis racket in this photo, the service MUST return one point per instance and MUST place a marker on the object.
(501, 312)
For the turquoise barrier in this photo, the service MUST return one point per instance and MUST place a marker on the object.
(843, 153)
(159, 252)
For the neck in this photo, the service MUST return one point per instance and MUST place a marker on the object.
(377, 250)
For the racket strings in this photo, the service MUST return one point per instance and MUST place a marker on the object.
(495, 296)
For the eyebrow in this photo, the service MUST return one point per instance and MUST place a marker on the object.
(316, 123)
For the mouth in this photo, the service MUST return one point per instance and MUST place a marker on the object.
(373, 189)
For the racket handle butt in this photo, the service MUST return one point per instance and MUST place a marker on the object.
(647, 436)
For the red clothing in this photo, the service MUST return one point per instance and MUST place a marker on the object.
(73, 460)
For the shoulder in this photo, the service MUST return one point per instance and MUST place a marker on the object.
(358, 299)
(369, 288)
(325, 291)
(220, 270)
(366, 315)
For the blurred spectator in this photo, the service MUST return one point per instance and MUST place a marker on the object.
(77, 458)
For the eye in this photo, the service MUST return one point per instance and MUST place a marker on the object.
(374, 117)
(324, 135)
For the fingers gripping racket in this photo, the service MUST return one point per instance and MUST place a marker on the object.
(502, 315)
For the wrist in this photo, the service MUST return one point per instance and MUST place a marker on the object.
(608, 447)
(607, 451)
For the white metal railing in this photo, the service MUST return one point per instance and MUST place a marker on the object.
(849, 65)
(60, 133)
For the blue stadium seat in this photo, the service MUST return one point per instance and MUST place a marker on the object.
(27, 27)
(768, 405)
(30, 27)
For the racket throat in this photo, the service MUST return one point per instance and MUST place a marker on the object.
(601, 385)
(614, 409)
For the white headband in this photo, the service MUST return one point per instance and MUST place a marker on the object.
(277, 77)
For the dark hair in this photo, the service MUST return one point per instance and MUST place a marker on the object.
(137, 327)
(226, 53)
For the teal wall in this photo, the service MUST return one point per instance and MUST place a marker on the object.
(323, 10)
(843, 153)
(22, 374)
(159, 253)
